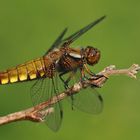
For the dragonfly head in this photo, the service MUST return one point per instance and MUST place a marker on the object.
(92, 55)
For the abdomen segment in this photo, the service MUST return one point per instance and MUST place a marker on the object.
(28, 71)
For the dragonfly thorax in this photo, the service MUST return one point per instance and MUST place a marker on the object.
(92, 55)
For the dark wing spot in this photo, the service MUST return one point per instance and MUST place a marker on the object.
(100, 98)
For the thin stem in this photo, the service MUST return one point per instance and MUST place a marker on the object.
(40, 111)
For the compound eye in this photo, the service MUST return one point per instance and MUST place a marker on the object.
(93, 52)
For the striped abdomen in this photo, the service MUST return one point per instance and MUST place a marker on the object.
(28, 71)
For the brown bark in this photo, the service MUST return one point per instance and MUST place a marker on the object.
(37, 113)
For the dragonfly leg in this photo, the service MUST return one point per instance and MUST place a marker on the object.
(66, 83)
(83, 76)
(67, 80)
(61, 77)
(96, 76)
(88, 70)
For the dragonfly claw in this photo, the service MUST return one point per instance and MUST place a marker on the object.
(96, 77)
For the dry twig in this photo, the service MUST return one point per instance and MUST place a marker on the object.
(39, 112)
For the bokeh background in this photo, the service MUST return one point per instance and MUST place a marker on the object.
(27, 29)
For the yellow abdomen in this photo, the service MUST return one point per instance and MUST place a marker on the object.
(28, 71)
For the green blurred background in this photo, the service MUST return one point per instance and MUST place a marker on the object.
(27, 29)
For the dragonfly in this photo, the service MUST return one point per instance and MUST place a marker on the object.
(55, 70)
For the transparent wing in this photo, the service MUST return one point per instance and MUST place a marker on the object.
(61, 43)
(58, 41)
(53, 120)
(77, 34)
(40, 91)
(43, 90)
(87, 100)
